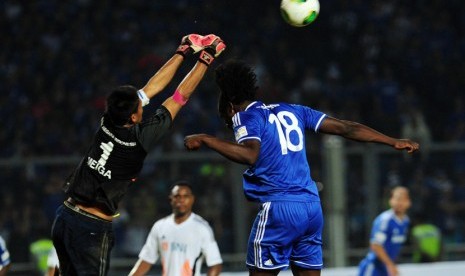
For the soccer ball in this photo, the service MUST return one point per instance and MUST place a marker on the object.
(299, 13)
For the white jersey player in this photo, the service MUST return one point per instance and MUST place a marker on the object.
(52, 262)
(180, 241)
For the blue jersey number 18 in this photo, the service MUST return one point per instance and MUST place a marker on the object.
(285, 129)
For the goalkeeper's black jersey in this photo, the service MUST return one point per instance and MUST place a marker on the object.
(114, 161)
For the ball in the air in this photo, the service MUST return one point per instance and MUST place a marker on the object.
(299, 13)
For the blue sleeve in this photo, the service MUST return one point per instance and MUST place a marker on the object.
(312, 118)
(247, 125)
(380, 231)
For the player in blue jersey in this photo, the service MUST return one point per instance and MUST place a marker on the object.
(270, 138)
(5, 261)
(389, 232)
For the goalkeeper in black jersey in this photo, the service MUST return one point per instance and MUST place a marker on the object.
(82, 231)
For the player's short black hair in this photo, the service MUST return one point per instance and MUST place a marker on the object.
(394, 188)
(237, 82)
(122, 103)
(182, 183)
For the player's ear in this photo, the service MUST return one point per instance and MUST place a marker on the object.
(133, 118)
(231, 110)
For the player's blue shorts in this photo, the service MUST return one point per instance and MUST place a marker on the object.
(286, 233)
(372, 268)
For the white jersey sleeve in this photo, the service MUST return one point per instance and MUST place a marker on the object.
(149, 252)
(210, 247)
(52, 259)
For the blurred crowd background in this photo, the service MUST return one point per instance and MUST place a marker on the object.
(398, 66)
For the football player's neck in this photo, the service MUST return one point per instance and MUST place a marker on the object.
(181, 217)
(399, 213)
(242, 106)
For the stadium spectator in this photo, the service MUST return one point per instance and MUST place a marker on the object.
(181, 241)
(459, 202)
(414, 125)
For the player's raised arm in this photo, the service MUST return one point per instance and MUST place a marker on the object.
(189, 44)
(213, 47)
(362, 133)
(245, 153)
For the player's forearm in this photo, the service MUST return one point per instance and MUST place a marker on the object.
(231, 150)
(381, 254)
(214, 270)
(185, 89)
(192, 80)
(163, 76)
(51, 271)
(354, 131)
(141, 268)
(4, 269)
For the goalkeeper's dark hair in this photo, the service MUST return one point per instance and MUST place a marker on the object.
(237, 82)
(121, 104)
